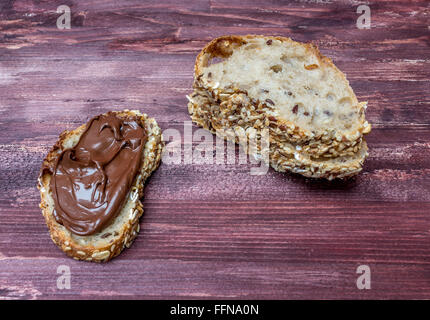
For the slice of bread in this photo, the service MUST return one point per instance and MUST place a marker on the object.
(120, 233)
(289, 87)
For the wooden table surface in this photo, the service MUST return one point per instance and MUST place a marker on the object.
(215, 231)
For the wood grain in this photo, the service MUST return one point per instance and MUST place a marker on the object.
(215, 231)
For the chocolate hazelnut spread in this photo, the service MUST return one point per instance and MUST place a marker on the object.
(90, 181)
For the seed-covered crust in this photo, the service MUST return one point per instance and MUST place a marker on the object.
(327, 143)
(109, 242)
(284, 155)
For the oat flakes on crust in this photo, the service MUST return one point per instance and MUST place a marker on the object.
(283, 155)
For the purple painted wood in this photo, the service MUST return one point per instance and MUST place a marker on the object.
(215, 231)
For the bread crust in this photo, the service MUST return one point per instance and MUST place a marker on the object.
(281, 156)
(80, 247)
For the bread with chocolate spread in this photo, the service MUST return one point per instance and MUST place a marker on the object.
(92, 180)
